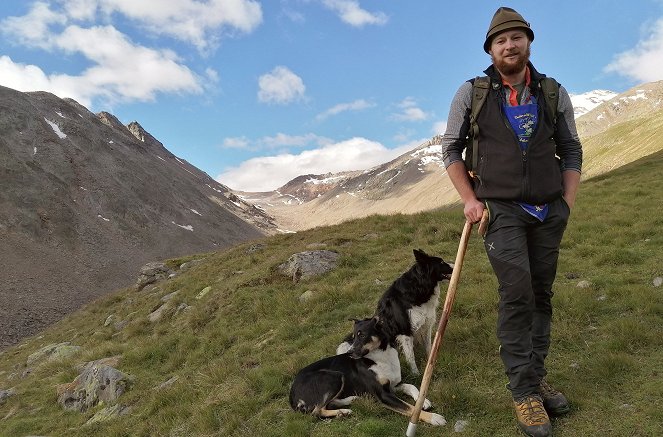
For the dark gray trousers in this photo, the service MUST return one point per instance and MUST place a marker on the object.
(523, 252)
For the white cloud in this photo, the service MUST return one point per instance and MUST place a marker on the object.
(351, 13)
(409, 111)
(280, 86)
(283, 140)
(33, 29)
(279, 140)
(236, 143)
(440, 127)
(643, 63)
(271, 172)
(195, 22)
(357, 105)
(120, 70)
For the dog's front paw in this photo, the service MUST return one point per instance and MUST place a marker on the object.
(427, 405)
(342, 412)
(437, 420)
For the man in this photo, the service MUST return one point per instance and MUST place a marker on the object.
(527, 174)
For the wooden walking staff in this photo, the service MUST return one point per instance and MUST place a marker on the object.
(444, 318)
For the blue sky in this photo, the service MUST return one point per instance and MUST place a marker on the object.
(257, 92)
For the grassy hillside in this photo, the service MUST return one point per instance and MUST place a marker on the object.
(622, 143)
(237, 349)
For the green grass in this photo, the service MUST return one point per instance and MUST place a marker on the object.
(236, 350)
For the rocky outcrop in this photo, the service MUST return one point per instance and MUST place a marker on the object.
(52, 352)
(311, 263)
(152, 272)
(98, 382)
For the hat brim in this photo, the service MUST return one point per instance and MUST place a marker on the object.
(509, 25)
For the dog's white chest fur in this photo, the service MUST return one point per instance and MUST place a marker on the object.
(387, 366)
(424, 315)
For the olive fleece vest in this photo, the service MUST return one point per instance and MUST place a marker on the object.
(504, 171)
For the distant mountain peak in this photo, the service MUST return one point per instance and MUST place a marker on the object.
(142, 135)
(585, 102)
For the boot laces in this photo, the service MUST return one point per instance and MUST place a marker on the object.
(532, 411)
(547, 391)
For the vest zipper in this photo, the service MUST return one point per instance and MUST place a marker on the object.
(525, 185)
(523, 153)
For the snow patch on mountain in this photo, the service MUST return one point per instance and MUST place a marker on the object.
(585, 102)
(56, 129)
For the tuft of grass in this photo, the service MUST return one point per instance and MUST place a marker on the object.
(236, 350)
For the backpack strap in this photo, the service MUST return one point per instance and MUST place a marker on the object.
(550, 89)
(480, 89)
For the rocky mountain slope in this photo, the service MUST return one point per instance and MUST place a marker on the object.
(417, 181)
(413, 182)
(86, 201)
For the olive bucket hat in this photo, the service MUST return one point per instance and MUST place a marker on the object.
(506, 19)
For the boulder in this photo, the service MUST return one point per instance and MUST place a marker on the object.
(151, 273)
(55, 351)
(157, 314)
(303, 265)
(97, 383)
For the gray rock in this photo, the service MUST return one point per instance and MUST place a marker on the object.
(187, 265)
(109, 320)
(55, 351)
(461, 425)
(182, 308)
(97, 383)
(151, 273)
(255, 248)
(584, 284)
(157, 314)
(203, 292)
(6, 394)
(657, 281)
(306, 296)
(109, 413)
(306, 264)
(169, 296)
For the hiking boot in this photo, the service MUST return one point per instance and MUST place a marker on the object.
(554, 401)
(532, 417)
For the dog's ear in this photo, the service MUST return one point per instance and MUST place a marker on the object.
(419, 255)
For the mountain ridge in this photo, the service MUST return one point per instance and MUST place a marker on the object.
(97, 202)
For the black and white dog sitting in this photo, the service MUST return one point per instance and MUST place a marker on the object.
(408, 307)
(370, 365)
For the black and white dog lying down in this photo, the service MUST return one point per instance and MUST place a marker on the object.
(370, 365)
(408, 307)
